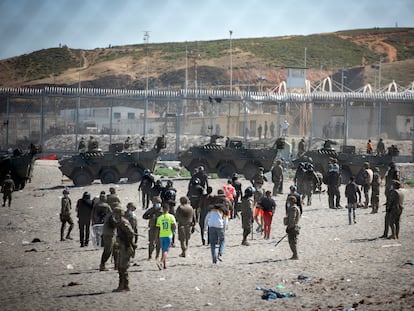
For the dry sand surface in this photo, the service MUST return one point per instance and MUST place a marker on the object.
(348, 265)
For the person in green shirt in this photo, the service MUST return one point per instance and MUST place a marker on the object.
(165, 228)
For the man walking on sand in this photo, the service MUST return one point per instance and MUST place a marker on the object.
(353, 194)
(186, 221)
(165, 228)
(215, 223)
(292, 227)
(65, 216)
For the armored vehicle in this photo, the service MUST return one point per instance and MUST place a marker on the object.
(19, 165)
(349, 161)
(112, 165)
(232, 157)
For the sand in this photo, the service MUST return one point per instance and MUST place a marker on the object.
(347, 265)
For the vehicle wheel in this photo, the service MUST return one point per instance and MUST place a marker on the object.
(134, 175)
(250, 170)
(82, 178)
(109, 176)
(226, 170)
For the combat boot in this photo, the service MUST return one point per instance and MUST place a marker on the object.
(126, 284)
(120, 285)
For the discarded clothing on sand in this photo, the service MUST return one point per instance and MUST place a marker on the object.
(270, 294)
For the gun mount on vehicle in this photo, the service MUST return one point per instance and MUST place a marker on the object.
(112, 165)
(233, 157)
(19, 165)
(349, 161)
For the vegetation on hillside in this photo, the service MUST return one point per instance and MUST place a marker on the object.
(332, 51)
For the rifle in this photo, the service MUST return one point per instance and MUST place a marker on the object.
(277, 243)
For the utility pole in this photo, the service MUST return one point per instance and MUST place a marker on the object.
(231, 84)
(78, 102)
(146, 39)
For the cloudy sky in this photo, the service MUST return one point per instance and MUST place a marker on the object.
(30, 25)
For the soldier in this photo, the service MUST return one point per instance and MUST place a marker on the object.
(259, 179)
(112, 198)
(364, 179)
(380, 147)
(392, 174)
(202, 175)
(168, 192)
(310, 183)
(108, 236)
(7, 189)
(127, 143)
(293, 192)
(125, 235)
(246, 207)
(82, 145)
(65, 215)
(185, 217)
(375, 190)
(133, 220)
(160, 143)
(395, 208)
(301, 147)
(147, 182)
(292, 227)
(238, 187)
(277, 178)
(299, 177)
(195, 193)
(84, 213)
(333, 180)
(265, 130)
(92, 144)
(142, 143)
(353, 194)
(151, 215)
(100, 209)
(156, 190)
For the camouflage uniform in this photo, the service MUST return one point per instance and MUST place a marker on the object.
(151, 215)
(112, 198)
(394, 209)
(108, 236)
(247, 206)
(277, 178)
(65, 215)
(7, 189)
(125, 235)
(186, 221)
(375, 190)
(292, 227)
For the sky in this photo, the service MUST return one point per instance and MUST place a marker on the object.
(30, 25)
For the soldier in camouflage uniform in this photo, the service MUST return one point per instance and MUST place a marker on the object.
(65, 215)
(292, 227)
(375, 190)
(277, 178)
(125, 236)
(151, 215)
(7, 189)
(394, 208)
(112, 198)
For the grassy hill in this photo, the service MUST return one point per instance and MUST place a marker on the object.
(208, 62)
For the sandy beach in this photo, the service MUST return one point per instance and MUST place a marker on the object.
(347, 266)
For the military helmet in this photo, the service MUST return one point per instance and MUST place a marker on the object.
(249, 191)
(147, 171)
(235, 176)
(201, 168)
(169, 183)
(366, 164)
(170, 195)
(158, 182)
(293, 188)
(86, 195)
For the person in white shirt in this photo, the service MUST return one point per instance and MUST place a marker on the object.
(215, 224)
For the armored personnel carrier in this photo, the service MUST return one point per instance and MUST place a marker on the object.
(19, 165)
(232, 157)
(349, 161)
(112, 165)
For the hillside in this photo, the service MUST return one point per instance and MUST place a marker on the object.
(209, 62)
